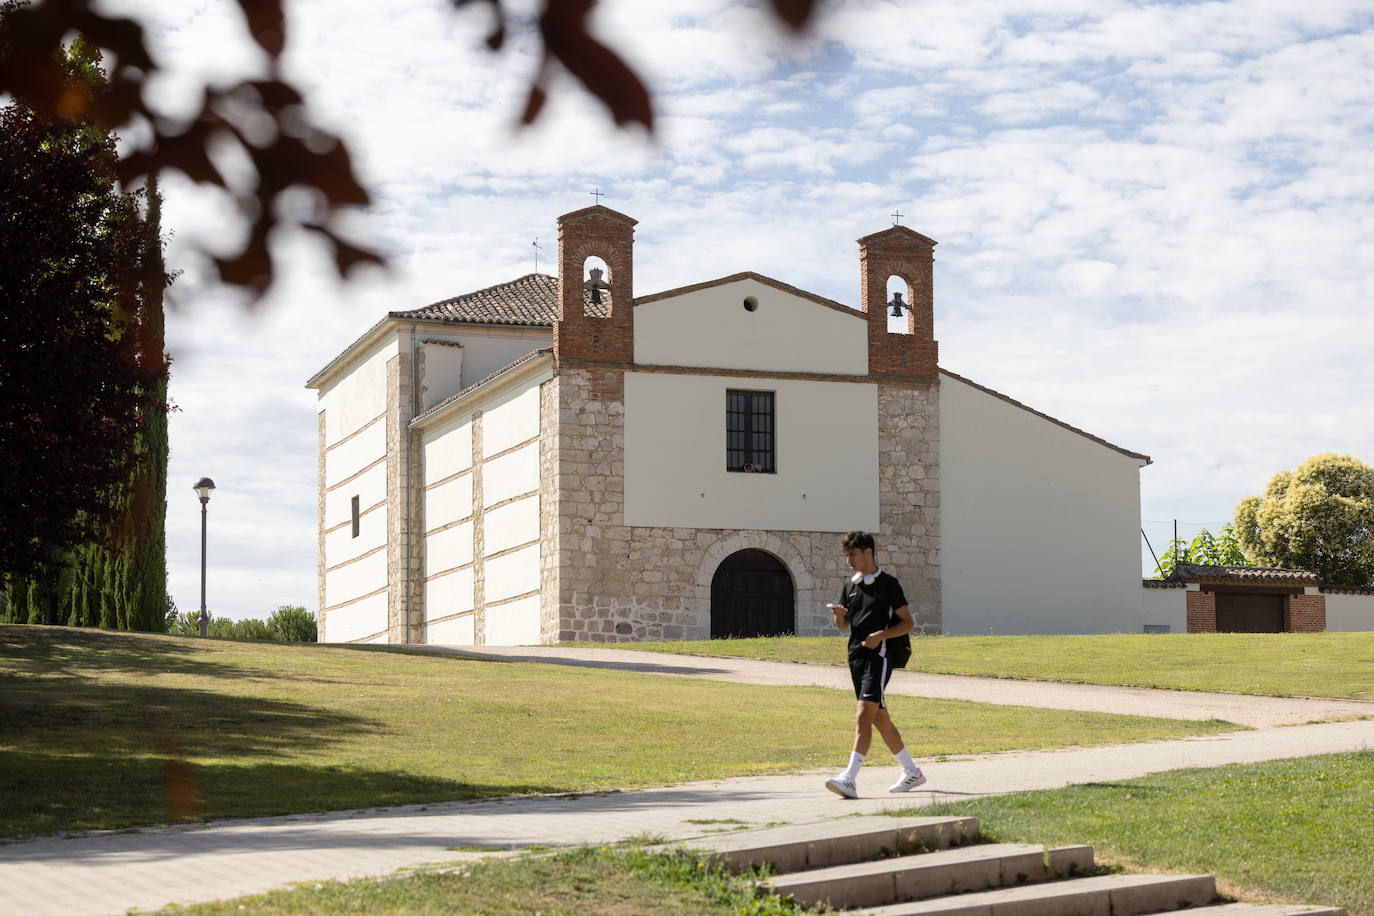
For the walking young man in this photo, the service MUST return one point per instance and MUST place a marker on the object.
(873, 609)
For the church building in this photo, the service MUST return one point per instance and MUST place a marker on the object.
(555, 459)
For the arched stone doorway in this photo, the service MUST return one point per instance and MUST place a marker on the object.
(752, 595)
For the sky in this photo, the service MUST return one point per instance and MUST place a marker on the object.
(1154, 219)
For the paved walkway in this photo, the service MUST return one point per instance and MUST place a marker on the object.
(112, 872)
(1257, 712)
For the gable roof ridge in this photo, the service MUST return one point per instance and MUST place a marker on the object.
(1056, 421)
(758, 277)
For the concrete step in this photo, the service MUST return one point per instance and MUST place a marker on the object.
(1269, 909)
(949, 871)
(852, 839)
(1117, 895)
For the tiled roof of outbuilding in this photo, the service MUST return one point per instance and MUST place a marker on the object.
(1249, 574)
(531, 301)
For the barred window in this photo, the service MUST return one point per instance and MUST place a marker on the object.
(749, 431)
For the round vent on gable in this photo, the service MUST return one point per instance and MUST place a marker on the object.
(750, 304)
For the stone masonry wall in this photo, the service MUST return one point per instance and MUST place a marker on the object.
(319, 545)
(909, 495)
(614, 583)
(404, 563)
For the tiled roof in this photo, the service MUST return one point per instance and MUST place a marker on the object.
(1252, 574)
(1348, 589)
(1163, 583)
(531, 301)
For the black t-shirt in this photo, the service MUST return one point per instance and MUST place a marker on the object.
(871, 608)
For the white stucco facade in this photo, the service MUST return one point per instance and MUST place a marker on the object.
(353, 406)
(530, 464)
(826, 453)
(1039, 523)
(784, 332)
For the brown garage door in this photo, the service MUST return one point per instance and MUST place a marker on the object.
(1243, 613)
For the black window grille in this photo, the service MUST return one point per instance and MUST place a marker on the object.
(357, 518)
(749, 432)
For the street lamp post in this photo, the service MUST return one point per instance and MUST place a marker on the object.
(204, 487)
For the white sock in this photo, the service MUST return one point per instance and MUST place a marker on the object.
(856, 760)
(905, 760)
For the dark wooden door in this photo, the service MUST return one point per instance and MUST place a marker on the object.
(751, 595)
(1238, 612)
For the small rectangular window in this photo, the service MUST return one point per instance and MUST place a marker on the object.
(749, 432)
(356, 517)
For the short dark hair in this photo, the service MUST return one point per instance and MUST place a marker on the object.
(858, 540)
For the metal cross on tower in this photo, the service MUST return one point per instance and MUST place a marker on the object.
(598, 195)
(897, 218)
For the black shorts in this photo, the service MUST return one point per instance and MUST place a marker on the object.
(870, 672)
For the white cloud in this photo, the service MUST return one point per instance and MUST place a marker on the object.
(1153, 217)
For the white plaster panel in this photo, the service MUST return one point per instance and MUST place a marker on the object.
(448, 502)
(359, 395)
(448, 450)
(511, 420)
(1040, 526)
(369, 487)
(355, 580)
(448, 548)
(511, 475)
(487, 350)
(511, 525)
(348, 458)
(1346, 613)
(451, 593)
(340, 545)
(358, 620)
(511, 575)
(786, 333)
(457, 632)
(514, 624)
(1167, 606)
(826, 447)
(443, 373)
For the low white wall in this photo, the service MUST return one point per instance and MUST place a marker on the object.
(1039, 524)
(1164, 606)
(1349, 613)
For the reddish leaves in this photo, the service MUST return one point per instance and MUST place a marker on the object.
(286, 151)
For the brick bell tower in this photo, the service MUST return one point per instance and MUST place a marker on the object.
(901, 252)
(589, 331)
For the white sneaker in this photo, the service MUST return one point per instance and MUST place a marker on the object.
(910, 780)
(841, 786)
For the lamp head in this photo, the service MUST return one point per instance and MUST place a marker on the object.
(204, 487)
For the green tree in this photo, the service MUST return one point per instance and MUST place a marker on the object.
(1319, 517)
(83, 376)
(1206, 549)
(293, 623)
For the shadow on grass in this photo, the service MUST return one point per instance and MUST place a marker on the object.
(63, 653)
(86, 717)
(48, 793)
(648, 666)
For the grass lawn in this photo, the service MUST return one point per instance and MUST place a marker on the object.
(1271, 664)
(107, 730)
(1287, 829)
(617, 881)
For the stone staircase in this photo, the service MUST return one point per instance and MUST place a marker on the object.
(933, 865)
